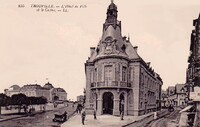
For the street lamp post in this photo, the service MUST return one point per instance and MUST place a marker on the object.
(84, 97)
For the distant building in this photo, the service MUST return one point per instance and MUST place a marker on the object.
(116, 76)
(14, 89)
(35, 90)
(47, 91)
(171, 90)
(181, 94)
(176, 95)
(58, 93)
(80, 98)
(164, 98)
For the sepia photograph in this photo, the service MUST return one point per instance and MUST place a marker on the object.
(99, 63)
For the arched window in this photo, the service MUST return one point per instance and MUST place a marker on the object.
(108, 73)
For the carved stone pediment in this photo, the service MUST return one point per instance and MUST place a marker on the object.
(110, 45)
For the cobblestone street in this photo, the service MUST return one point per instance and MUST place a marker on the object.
(38, 120)
(170, 120)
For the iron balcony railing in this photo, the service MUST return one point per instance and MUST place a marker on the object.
(112, 84)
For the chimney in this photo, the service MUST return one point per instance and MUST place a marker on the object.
(92, 50)
(148, 64)
(135, 47)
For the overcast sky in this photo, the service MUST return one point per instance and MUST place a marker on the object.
(35, 45)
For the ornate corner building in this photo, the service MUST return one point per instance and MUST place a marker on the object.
(117, 76)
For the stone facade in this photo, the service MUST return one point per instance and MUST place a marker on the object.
(164, 101)
(117, 78)
(14, 89)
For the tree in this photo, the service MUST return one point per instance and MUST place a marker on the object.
(41, 101)
(37, 101)
(21, 100)
(32, 101)
(4, 100)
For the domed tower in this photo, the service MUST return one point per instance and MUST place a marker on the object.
(112, 71)
(48, 86)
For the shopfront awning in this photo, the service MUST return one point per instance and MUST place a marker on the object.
(186, 108)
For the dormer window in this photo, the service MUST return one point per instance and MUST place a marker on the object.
(123, 48)
(97, 50)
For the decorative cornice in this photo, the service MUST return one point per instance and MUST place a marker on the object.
(111, 56)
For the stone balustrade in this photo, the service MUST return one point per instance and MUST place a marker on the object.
(112, 84)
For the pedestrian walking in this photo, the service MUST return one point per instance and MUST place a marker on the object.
(65, 116)
(122, 110)
(83, 115)
(122, 115)
(95, 115)
(155, 115)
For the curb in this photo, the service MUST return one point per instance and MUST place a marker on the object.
(157, 118)
(145, 118)
(137, 121)
(23, 116)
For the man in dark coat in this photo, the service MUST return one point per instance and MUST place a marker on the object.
(95, 114)
(83, 115)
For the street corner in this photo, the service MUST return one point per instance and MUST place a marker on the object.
(101, 121)
(72, 121)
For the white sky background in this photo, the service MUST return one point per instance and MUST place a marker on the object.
(39, 45)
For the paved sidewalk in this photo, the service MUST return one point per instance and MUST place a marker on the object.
(102, 121)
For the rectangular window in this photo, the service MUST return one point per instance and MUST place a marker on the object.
(95, 75)
(124, 74)
(129, 74)
(108, 73)
(91, 76)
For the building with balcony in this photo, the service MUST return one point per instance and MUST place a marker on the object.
(117, 78)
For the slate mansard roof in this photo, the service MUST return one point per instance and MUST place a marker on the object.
(113, 45)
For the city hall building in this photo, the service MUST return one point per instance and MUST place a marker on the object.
(117, 78)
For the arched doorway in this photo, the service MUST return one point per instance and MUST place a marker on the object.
(108, 103)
